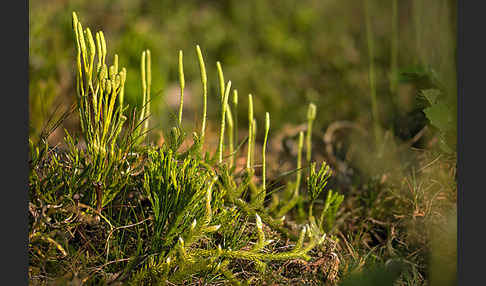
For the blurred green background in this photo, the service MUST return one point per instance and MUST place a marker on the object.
(286, 53)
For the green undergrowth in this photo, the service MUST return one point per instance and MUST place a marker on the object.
(110, 207)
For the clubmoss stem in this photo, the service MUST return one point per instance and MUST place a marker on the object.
(144, 86)
(221, 79)
(311, 116)
(182, 85)
(229, 118)
(295, 195)
(235, 117)
(204, 81)
(149, 85)
(253, 140)
(250, 131)
(224, 104)
(299, 162)
(264, 163)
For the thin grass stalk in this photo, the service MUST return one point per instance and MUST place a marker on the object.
(394, 49)
(372, 75)
(417, 21)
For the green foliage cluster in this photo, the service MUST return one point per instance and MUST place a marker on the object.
(440, 113)
(169, 214)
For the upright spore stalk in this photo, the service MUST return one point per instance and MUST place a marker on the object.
(235, 127)
(146, 72)
(144, 86)
(250, 131)
(149, 85)
(311, 115)
(224, 104)
(204, 81)
(253, 140)
(299, 161)
(221, 79)
(182, 85)
(229, 118)
(267, 128)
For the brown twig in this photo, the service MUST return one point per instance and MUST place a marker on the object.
(107, 244)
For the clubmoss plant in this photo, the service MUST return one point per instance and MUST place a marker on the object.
(182, 215)
(316, 184)
(97, 93)
(328, 215)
